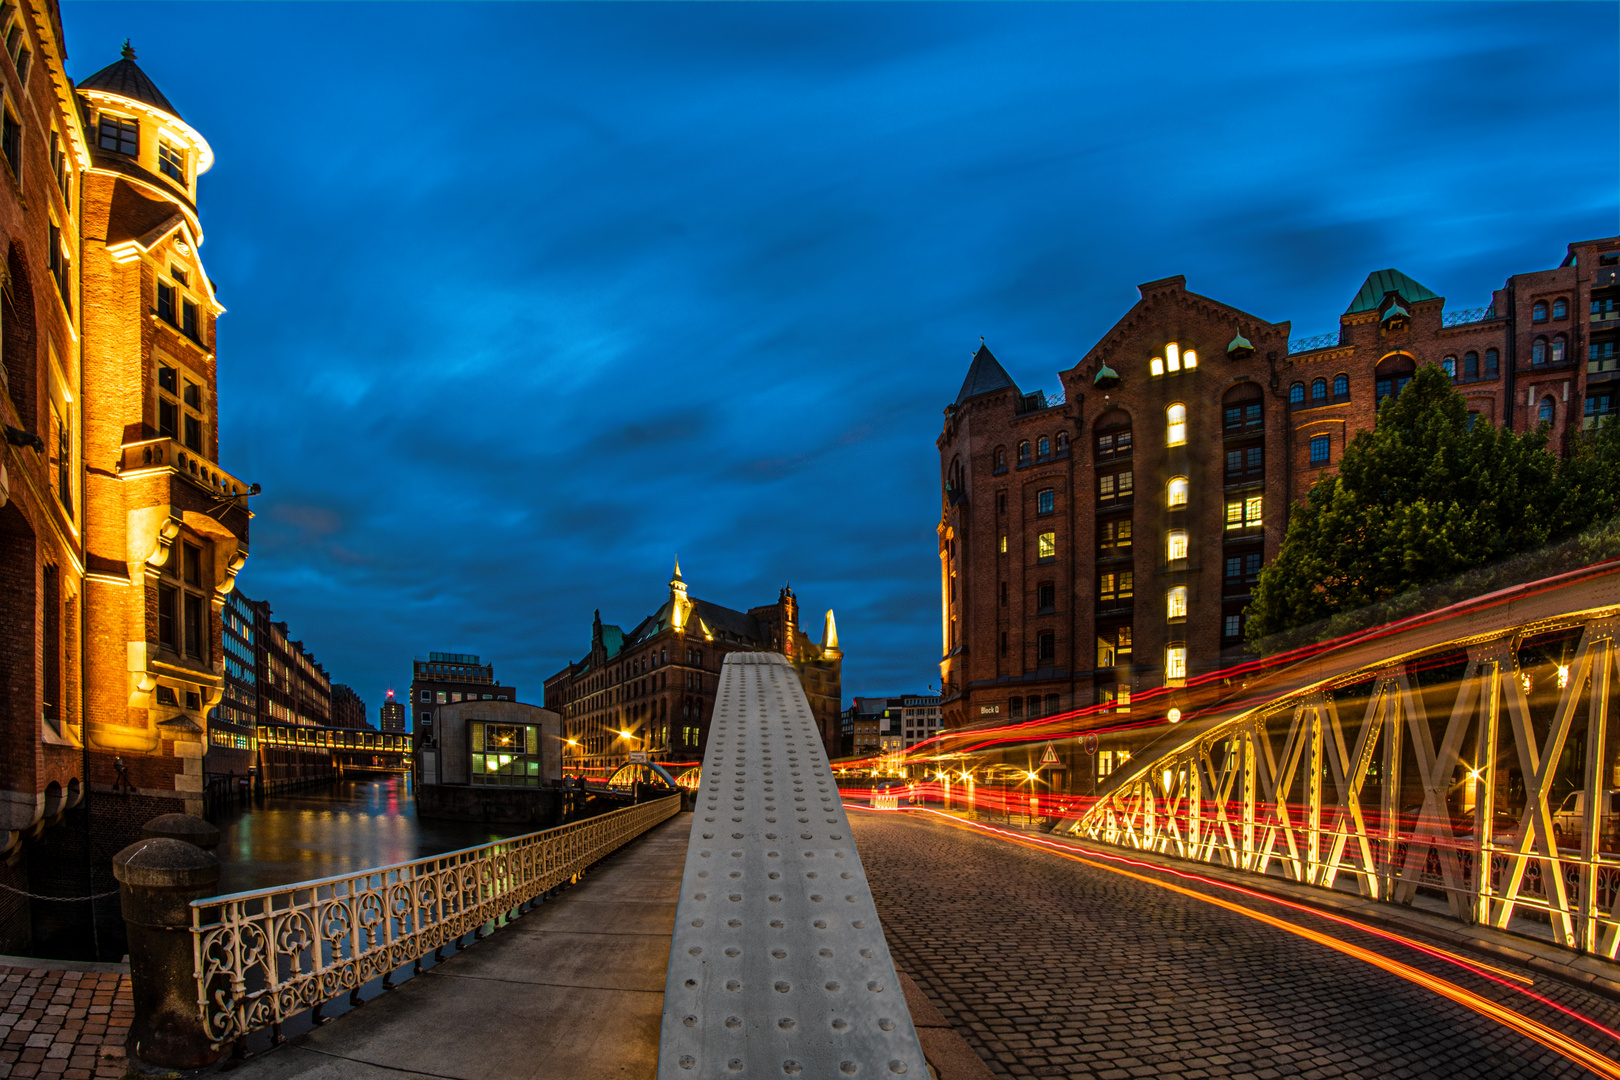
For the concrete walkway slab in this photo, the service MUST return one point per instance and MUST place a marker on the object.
(572, 989)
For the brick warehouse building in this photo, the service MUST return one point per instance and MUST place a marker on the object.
(658, 681)
(120, 535)
(1105, 541)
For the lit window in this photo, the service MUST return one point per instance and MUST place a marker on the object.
(1046, 546)
(171, 162)
(1243, 513)
(1178, 491)
(1156, 366)
(1175, 603)
(120, 135)
(1176, 425)
(1172, 357)
(1004, 543)
(1177, 547)
(1045, 500)
(1189, 359)
(1548, 409)
(1319, 449)
(1175, 663)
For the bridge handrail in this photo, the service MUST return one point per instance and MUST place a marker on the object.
(265, 955)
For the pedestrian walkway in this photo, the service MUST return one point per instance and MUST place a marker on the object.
(63, 1020)
(574, 988)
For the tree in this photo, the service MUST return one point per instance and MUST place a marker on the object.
(1429, 493)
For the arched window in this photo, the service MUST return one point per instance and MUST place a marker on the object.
(1176, 492)
(1318, 390)
(1449, 365)
(1557, 356)
(1538, 351)
(1548, 409)
(1175, 603)
(1175, 425)
(1241, 408)
(1560, 309)
(1471, 366)
(1296, 395)
(1341, 385)
(1043, 447)
(1538, 313)
(1391, 375)
(1001, 459)
(1023, 452)
(1492, 363)
(1063, 444)
(1113, 438)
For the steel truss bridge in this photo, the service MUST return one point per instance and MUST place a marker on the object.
(1464, 760)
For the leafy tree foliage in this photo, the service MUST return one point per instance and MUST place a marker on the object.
(1427, 495)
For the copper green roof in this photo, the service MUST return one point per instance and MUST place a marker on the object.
(1380, 283)
(1239, 342)
(1396, 310)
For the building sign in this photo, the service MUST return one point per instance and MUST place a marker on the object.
(989, 710)
(639, 757)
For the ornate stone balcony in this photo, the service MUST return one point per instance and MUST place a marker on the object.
(168, 453)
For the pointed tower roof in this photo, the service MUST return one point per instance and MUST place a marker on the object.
(829, 637)
(126, 79)
(1380, 283)
(984, 375)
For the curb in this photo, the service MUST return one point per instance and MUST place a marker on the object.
(949, 1055)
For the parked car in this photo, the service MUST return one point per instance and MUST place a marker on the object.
(1570, 817)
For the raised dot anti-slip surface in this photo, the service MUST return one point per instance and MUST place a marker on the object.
(773, 975)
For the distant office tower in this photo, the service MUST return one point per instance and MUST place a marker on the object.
(445, 678)
(392, 714)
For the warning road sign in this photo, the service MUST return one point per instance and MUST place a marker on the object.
(1050, 757)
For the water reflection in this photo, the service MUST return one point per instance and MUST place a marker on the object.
(346, 826)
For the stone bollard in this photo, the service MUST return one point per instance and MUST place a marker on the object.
(157, 880)
(187, 827)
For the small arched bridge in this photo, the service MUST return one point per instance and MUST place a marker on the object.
(1464, 760)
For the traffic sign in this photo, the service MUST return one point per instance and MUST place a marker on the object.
(1050, 757)
(1091, 744)
(639, 757)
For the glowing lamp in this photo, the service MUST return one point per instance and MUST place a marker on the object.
(1174, 716)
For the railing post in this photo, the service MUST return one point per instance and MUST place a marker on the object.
(157, 880)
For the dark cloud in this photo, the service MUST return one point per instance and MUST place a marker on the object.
(526, 300)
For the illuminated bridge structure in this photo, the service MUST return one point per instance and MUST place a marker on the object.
(354, 749)
(1466, 760)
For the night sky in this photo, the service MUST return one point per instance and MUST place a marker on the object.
(522, 301)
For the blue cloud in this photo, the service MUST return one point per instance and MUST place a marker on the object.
(525, 299)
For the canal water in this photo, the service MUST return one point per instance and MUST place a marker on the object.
(339, 828)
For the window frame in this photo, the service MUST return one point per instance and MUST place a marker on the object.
(1175, 424)
(1326, 444)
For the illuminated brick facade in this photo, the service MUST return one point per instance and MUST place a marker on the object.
(1105, 541)
(652, 689)
(120, 535)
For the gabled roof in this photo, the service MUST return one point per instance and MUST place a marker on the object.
(1381, 283)
(126, 79)
(984, 375)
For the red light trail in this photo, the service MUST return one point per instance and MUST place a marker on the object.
(1532, 1029)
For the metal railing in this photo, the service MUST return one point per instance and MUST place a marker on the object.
(1467, 315)
(1320, 341)
(1478, 770)
(265, 956)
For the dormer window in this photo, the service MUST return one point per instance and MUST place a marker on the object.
(120, 135)
(172, 162)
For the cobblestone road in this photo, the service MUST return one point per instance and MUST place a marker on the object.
(1052, 968)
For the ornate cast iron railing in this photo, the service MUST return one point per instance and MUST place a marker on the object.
(1467, 315)
(1320, 341)
(1484, 772)
(263, 957)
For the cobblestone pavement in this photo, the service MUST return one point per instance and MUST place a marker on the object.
(1052, 968)
(68, 1024)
